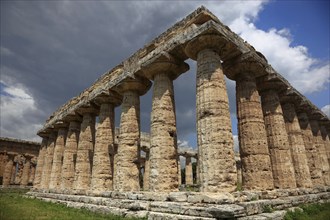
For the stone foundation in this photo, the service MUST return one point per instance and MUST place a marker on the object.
(192, 205)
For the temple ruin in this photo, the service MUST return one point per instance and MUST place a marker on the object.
(284, 138)
(18, 160)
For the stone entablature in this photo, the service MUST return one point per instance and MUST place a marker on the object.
(18, 160)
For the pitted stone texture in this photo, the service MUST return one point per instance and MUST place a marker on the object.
(127, 158)
(18, 172)
(7, 175)
(326, 141)
(255, 160)
(47, 168)
(32, 170)
(297, 146)
(40, 163)
(70, 155)
(319, 144)
(313, 158)
(146, 173)
(102, 168)
(26, 172)
(85, 149)
(163, 149)
(217, 167)
(278, 142)
(55, 177)
(189, 172)
(13, 173)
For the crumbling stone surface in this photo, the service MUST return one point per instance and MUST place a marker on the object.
(297, 146)
(7, 175)
(70, 155)
(313, 158)
(255, 160)
(278, 142)
(55, 176)
(86, 143)
(26, 171)
(40, 162)
(47, 168)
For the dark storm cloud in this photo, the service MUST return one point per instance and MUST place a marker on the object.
(58, 49)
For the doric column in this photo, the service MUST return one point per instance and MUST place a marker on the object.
(46, 171)
(297, 146)
(179, 171)
(70, 152)
(102, 163)
(40, 162)
(146, 170)
(32, 170)
(326, 141)
(127, 168)
(3, 162)
(214, 134)
(313, 158)
(7, 175)
(55, 176)
(255, 160)
(163, 140)
(319, 145)
(26, 171)
(19, 160)
(189, 173)
(13, 172)
(83, 171)
(278, 141)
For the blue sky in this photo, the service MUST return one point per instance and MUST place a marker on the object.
(53, 50)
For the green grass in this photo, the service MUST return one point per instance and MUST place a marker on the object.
(311, 211)
(14, 206)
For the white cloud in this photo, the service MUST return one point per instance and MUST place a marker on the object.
(326, 110)
(17, 113)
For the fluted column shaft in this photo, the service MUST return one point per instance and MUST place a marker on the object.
(297, 146)
(326, 141)
(189, 173)
(13, 173)
(46, 171)
(127, 157)
(85, 150)
(3, 162)
(254, 153)
(313, 158)
(26, 172)
(70, 155)
(32, 173)
(319, 145)
(179, 171)
(146, 171)
(278, 142)
(163, 149)
(40, 163)
(55, 177)
(102, 170)
(7, 175)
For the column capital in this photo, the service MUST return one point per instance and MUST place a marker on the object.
(264, 85)
(164, 63)
(108, 97)
(60, 125)
(208, 41)
(251, 64)
(88, 108)
(137, 83)
(72, 116)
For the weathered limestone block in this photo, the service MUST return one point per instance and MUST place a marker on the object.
(319, 144)
(163, 141)
(313, 158)
(102, 163)
(19, 160)
(32, 170)
(217, 167)
(189, 172)
(26, 171)
(47, 168)
(7, 175)
(297, 146)
(40, 162)
(146, 173)
(278, 142)
(70, 153)
(55, 176)
(254, 153)
(127, 167)
(85, 150)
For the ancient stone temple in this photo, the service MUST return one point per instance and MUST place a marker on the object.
(18, 160)
(284, 138)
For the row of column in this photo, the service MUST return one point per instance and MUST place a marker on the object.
(17, 169)
(274, 146)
